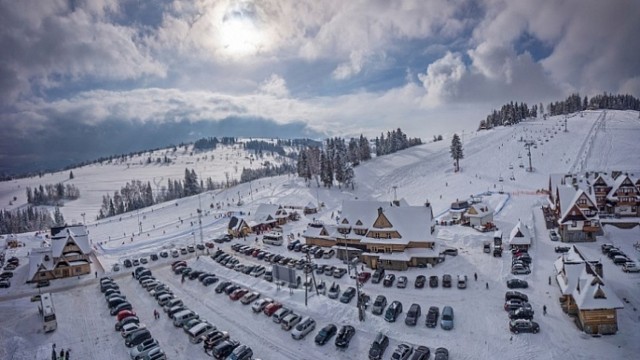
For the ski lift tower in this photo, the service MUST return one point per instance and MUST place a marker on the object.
(200, 218)
(528, 145)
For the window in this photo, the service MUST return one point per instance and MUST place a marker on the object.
(574, 223)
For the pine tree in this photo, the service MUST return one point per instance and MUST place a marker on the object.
(456, 150)
(71, 175)
(58, 219)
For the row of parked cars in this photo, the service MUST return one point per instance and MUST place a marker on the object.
(316, 251)
(620, 258)
(520, 313)
(136, 335)
(520, 262)
(388, 280)
(393, 311)
(7, 273)
(404, 351)
(185, 250)
(216, 343)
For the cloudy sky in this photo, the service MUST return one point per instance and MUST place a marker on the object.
(81, 78)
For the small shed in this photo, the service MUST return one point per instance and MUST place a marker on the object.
(310, 208)
(479, 215)
(520, 237)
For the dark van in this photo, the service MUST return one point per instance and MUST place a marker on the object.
(413, 315)
(378, 275)
(137, 337)
(393, 311)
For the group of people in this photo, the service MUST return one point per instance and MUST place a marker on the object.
(64, 355)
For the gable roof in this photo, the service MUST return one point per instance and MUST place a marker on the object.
(573, 211)
(39, 258)
(412, 222)
(479, 210)
(363, 210)
(592, 294)
(74, 233)
(520, 235)
(617, 184)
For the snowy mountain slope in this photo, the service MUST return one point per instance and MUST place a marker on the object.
(420, 173)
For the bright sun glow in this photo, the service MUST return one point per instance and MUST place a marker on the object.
(239, 37)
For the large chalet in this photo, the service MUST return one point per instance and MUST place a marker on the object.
(584, 294)
(574, 209)
(67, 254)
(390, 235)
(264, 218)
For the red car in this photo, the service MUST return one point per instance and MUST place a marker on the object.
(363, 277)
(209, 244)
(237, 294)
(125, 313)
(272, 308)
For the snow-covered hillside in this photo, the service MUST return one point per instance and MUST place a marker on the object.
(597, 140)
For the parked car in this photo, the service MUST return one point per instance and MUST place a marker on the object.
(393, 311)
(521, 313)
(122, 306)
(432, 316)
(402, 352)
(515, 295)
(420, 281)
(289, 321)
(378, 347)
(562, 249)
(450, 252)
(517, 284)
(348, 295)
(402, 282)
(630, 267)
(125, 321)
(379, 304)
(462, 281)
(421, 353)
(143, 348)
(413, 315)
(433, 281)
(280, 314)
(325, 334)
(389, 279)
(441, 354)
(242, 352)
(377, 275)
(521, 325)
(446, 280)
(553, 235)
(339, 272)
(137, 337)
(334, 291)
(271, 309)
(43, 283)
(364, 276)
(223, 349)
(515, 304)
(344, 336)
(5, 283)
(249, 297)
(260, 304)
(446, 321)
(518, 269)
(303, 328)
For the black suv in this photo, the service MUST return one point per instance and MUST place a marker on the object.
(420, 280)
(344, 336)
(325, 334)
(433, 281)
(432, 317)
(515, 295)
(393, 311)
(521, 313)
(378, 347)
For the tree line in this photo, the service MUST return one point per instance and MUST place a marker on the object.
(259, 146)
(29, 219)
(513, 113)
(52, 194)
(396, 140)
(267, 171)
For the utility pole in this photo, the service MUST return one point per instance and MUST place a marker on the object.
(308, 269)
(200, 217)
(139, 223)
(83, 219)
(395, 194)
(359, 299)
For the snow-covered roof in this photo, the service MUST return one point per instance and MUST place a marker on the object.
(592, 294)
(412, 222)
(37, 258)
(568, 276)
(363, 210)
(76, 233)
(566, 211)
(520, 235)
(310, 205)
(565, 195)
(617, 184)
(479, 210)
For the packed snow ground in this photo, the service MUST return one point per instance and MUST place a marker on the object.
(597, 141)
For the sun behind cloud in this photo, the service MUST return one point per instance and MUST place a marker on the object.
(240, 33)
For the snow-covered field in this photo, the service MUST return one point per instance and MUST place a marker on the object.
(597, 141)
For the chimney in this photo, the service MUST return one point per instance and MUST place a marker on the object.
(427, 203)
(379, 211)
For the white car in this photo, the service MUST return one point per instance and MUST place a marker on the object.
(305, 326)
(260, 304)
(129, 328)
(250, 297)
(630, 267)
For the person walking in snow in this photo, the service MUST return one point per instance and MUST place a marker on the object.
(475, 276)
(53, 352)
(486, 285)
(544, 309)
(61, 354)
(66, 354)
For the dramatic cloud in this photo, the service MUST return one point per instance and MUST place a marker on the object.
(318, 67)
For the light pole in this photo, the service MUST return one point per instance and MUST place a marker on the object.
(84, 222)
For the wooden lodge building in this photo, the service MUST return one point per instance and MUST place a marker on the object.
(264, 218)
(395, 235)
(68, 254)
(575, 211)
(584, 294)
